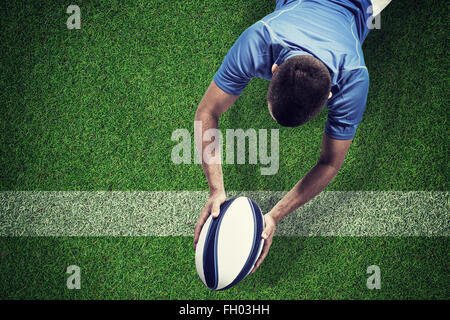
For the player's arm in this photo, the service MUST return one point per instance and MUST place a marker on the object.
(213, 104)
(331, 159)
(315, 181)
(237, 68)
(345, 111)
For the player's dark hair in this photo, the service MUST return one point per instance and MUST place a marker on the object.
(298, 90)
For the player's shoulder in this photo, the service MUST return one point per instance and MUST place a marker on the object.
(351, 85)
(257, 31)
(358, 74)
(255, 38)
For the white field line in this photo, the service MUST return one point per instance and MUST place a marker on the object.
(173, 213)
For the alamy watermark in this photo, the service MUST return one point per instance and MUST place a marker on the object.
(74, 280)
(374, 21)
(251, 147)
(374, 281)
(74, 20)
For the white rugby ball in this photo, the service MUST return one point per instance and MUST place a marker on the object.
(230, 244)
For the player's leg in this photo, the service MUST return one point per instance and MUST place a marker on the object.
(379, 5)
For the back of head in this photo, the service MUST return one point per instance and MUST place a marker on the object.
(298, 90)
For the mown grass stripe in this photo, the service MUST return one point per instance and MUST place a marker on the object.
(173, 213)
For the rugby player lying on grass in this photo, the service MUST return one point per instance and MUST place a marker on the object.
(311, 52)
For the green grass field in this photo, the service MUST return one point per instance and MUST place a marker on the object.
(162, 268)
(94, 109)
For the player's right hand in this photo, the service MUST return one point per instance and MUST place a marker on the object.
(211, 207)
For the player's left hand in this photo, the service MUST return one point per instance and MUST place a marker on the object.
(267, 235)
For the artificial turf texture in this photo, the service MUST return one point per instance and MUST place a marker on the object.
(162, 268)
(94, 109)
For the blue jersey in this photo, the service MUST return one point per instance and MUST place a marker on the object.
(332, 31)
